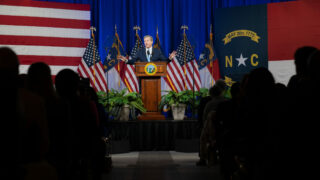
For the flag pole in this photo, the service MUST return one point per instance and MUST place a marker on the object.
(193, 79)
(118, 51)
(107, 74)
(94, 53)
(184, 27)
(136, 28)
(157, 44)
(211, 62)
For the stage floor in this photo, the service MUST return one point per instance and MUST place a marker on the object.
(162, 165)
(154, 135)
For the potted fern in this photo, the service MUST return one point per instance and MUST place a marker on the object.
(178, 102)
(121, 104)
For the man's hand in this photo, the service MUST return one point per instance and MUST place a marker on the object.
(122, 58)
(172, 55)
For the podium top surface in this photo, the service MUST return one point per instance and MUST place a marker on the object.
(149, 69)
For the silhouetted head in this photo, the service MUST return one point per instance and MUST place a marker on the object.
(260, 82)
(301, 57)
(67, 83)
(218, 88)
(9, 61)
(9, 68)
(39, 78)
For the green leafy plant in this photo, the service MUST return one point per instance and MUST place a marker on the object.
(203, 92)
(188, 97)
(184, 97)
(114, 100)
(172, 97)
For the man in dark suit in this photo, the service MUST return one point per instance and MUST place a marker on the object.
(147, 54)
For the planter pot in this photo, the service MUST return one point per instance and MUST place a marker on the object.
(178, 111)
(124, 113)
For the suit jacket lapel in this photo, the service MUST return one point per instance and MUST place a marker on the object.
(152, 54)
(143, 55)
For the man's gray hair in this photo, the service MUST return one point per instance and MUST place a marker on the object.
(148, 37)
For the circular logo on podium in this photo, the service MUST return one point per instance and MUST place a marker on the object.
(150, 69)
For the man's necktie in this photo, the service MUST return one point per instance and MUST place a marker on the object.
(148, 55)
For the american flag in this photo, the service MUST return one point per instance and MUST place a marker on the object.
(183, 72)
(49, 32)
(91, 67)
(130, 77)
(165, 85)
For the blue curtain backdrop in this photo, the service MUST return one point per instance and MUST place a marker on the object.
(167, 15)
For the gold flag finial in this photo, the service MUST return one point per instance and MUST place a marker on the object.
(115, 28)
(136, 28)
(184, 27)
(92, 28)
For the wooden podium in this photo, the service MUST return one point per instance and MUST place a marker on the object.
(149, 75)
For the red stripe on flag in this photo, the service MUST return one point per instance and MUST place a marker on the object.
(95, 79)
(132, 77)
(43, 41)
(189, 80)
(29, 3)
(44, 22)
(101, 75)
(292, 25)
(193, 84)
(178, 78)
(197, 74)
(169, 84)
(216, 70)
(88, 74)
(194, 74)
(51, 60)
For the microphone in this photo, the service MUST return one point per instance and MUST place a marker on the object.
(148, 52)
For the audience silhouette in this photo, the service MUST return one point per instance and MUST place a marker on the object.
(267, 130)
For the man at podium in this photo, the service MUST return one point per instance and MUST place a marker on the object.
(149, 86)
(147, 54)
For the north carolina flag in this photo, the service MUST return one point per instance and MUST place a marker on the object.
(265, 36)
(290, 25)
(115, 68)
(208, 65)
(241, 40)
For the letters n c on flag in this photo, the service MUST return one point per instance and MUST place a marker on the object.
(242, 44)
